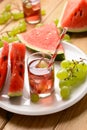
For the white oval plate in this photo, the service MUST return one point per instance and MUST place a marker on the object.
(51, 104)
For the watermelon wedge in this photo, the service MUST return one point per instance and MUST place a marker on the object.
(74, 16)
(17, 56)
(44, 39)
(3, 64)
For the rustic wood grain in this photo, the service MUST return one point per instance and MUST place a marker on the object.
(33, 122)
(4, 118)
(75, 117)
(80, 40)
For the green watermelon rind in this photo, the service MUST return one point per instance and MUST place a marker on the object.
(76, 30)
(60, 55)
(15, 94)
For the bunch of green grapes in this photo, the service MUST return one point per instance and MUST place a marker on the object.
(5, 15)
(8, 14)
(71, 74)
(18, 29)
(11, 36)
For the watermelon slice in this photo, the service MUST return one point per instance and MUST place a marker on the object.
(3, 64)
(44, 39)
(17, 56)
(74, 16)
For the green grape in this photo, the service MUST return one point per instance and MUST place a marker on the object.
(39, 25)
(18, 15)
(9, 39)
(1, 43)
(80, 73)
(11, 33)
(43, 12)
(2, 21)
(82, 66)
(64, 83)
(76, 74)
(6, 16)
(5, 38)
(62, 74)
(42, 64)
(65, 92)
(56, 21)
(16, 38)
(34, 97)
(22, 26)
(15, 31)
(66, 38)
(66, 64)
(18, 29)
(73, 81)
(7, 7)
(12, 39)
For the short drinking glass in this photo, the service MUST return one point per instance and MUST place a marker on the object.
(41, 77)
(32, 11)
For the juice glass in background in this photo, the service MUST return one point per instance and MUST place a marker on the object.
(41, 78)
(32, 11)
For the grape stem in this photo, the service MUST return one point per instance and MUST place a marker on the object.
(81, 59)
(71, 68)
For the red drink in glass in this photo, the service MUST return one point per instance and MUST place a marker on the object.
(41, 78)
(32, 11)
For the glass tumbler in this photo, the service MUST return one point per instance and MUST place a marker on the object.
(41, 77)
(32, 11)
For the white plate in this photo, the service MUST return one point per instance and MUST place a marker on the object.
(51, 104)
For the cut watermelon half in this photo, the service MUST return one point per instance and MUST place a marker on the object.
(43, 39)
(17, 57)
(3, 64)
(74, 16)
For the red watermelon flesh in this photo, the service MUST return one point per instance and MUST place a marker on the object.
(42, 39)
(17, 56)
(3, 64)
(75, 15)
(16, 85)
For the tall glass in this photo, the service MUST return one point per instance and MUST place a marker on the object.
(41, 78)
(32, 11)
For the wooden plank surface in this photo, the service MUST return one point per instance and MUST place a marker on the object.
(5, 116)
(73, 118)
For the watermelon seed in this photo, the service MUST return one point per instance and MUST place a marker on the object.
(21, 66)
(80, 12)
(20, 73)
(4, 58)
(75, 14)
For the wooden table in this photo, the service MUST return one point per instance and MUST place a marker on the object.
(73, 118)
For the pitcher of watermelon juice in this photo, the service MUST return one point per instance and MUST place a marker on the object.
(41, 78)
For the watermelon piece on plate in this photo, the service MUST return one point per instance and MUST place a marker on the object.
(3, 64)
(74, 16)
(17, 57)
(44, 39)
